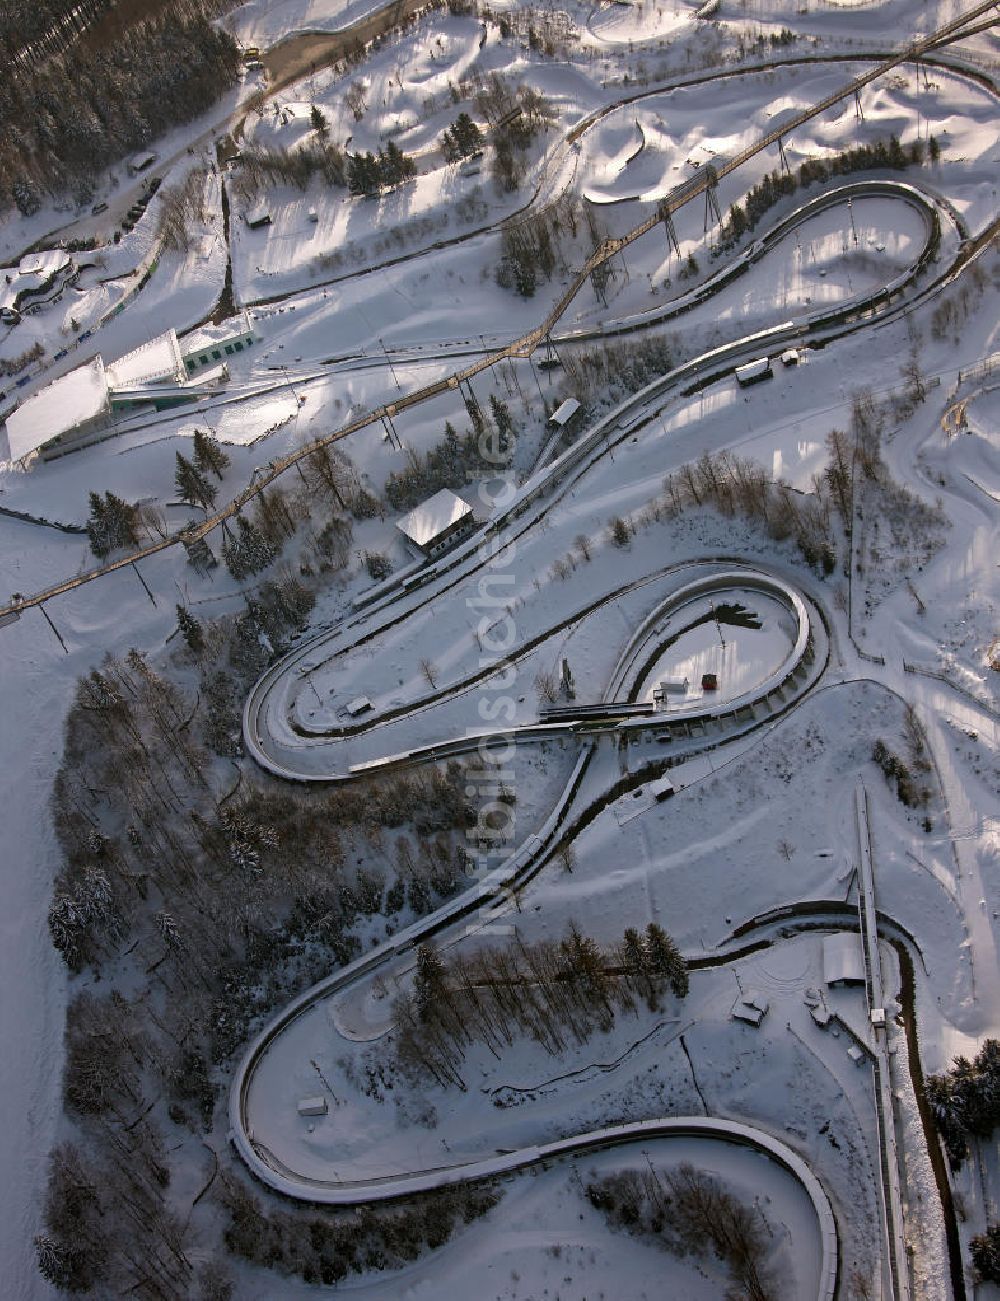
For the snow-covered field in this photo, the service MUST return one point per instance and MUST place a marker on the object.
(375, 298)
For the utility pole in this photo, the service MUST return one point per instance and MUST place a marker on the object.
(392, 368)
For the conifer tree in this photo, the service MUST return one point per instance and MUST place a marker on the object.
(257, 551)
(97, 527)
(466, 135)
(191, 630)
(191, 485)
(233, 555)
(123, 519)
(394, 166)
(208, 455)
(449, 147)
(112, 523)
(665, 959)
(503, 421)
(363, 174)
(319, 123)
(985, 1251)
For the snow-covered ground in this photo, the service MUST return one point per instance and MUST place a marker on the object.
(761, 826)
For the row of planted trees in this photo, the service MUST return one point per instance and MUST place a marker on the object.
(556, 993)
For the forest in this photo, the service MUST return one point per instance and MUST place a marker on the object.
(70, 107)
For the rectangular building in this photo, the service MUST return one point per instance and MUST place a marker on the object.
(439, 523)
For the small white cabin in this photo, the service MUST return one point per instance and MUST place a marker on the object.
(662, 790)
(358, 706)
(312, 1106)
(564, 413)
(751, 1008)
(672, 686)
(753, 372)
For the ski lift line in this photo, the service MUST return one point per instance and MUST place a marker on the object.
(525, 346)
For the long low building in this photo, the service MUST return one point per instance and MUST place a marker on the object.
(211, 344)
(71, 407)
(68, 413)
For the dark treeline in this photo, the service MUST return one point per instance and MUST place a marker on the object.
(775, 185)
(532, 247)
(480, 451)
(65, 115)
(230, 902)
(965, 1100)
(692, 1213)
(556, 993)
(27, 23)
(326, 1247)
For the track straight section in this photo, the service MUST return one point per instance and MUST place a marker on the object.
(892, 1209)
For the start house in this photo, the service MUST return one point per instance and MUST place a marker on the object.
(439, 523)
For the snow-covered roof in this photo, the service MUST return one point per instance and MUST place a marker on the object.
(843, 958)
(65, 404)
(211, 336)
(565, 412)
(299, 111)
(157, 359)
(753, 369)
(434, 517)
(44, 264)
(751, 1008)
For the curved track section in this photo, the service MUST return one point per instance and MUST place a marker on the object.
(494, 890)
(817, 329)
(541, 488)
(644, 1131)
(644, 641)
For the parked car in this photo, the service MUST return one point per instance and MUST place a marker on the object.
(98, 208)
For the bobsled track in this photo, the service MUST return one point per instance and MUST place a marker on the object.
(295, 753)
(703, 369)
(696, 729)
(644, 1131)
